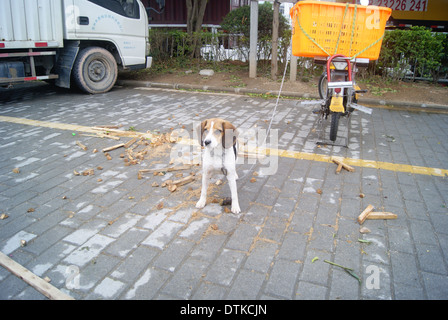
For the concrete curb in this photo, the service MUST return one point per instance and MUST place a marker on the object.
(399, 105)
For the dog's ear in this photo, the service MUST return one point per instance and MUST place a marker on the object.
(229, 134)
(201, 129)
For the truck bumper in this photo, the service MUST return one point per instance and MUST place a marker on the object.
(148, 62)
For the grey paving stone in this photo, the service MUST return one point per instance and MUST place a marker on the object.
(186, 279)
(242, 237)
(89, 250)
(209, 291)
(162, 235)
(318, 271)
(127, 242)
(282, 279)
(431, 259)
(259, 259)
(310, 291)
(293, 247)
(436, 286)
(130, 268)
(225, 266)
(209, 247)
(247, 285)
(125, 248)
(107, 289)
(173, 255)
(147, 286)
(422, 232)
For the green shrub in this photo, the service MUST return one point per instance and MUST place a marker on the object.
(418, 50)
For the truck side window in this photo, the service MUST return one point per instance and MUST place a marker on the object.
(126, 8)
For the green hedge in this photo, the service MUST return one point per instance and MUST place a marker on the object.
(418, 50)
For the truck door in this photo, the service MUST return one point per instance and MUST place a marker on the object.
(117, 21)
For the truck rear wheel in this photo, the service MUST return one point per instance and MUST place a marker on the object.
(95, 70)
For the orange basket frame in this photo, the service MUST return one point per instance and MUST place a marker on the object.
(327, 28)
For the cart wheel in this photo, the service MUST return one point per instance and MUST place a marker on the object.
(334, 125)
(323, 86)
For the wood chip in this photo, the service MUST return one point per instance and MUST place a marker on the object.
(116, 132)
(88, 172)
(101, 135)
(167, 183)
(362, 217)
(172, 187)
(111, 222)
(166, 169)
(113, 147)
(340, 163)
(3, 216)
(83, 147)
(109, 127)
(339, 168)
(16, 170)
(184, 181)
(37, 283)
(381, 216)
(130, 142)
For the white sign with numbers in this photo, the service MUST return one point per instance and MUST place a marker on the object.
(402, 5)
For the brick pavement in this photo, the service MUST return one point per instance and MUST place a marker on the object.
(109, 239)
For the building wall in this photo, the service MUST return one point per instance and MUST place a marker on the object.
(176, 11)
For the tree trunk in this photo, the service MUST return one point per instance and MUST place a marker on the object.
(195, 17)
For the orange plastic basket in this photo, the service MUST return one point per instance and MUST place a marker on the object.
(327, 28)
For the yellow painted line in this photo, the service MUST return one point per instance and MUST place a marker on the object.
(46, 124)
(393, 107)
(72, 127)
(358, 162)
(258, 151)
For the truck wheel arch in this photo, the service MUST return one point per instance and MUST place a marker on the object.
(95, 69)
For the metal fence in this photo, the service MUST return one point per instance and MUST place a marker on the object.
(172, 41)
(215, 46)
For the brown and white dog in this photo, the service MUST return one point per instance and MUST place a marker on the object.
(219, 139)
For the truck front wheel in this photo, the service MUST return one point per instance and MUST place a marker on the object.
(95, 70)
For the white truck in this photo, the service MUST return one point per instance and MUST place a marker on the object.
(84, 41)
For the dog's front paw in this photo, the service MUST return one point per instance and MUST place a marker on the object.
(235, 208)
(200, 204)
